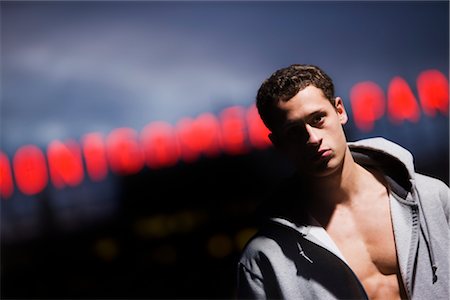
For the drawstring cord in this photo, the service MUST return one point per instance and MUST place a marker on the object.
(428, 239)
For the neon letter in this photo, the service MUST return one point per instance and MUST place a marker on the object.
(6, 183)
(30, 170)
(402, 103)
(124, 152)
(65, 164)
(257, 131)
(432, 87)
(201, 135)
(160, 145)
(367, 101)
(95, 156)
(233, 130)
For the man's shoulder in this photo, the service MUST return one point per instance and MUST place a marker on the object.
(430, 184)
(260, 244)
(259, 251)
(434, 195)
(432, 189)
(271, 241)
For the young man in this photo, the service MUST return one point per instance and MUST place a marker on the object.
(356, 221)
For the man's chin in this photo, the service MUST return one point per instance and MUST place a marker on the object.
(320, 170)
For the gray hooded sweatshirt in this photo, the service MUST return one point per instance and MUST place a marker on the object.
(289, 259)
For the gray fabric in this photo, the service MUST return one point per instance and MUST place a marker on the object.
(283, 262)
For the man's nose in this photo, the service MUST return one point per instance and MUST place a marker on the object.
(313, 136)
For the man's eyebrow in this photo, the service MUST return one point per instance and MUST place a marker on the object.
(317, 112)
(292, 123)
(295, 122)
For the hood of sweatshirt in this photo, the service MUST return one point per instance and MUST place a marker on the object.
(396, 163)
(382, 148)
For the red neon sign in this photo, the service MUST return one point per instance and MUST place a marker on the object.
(30, 170)
(402, 104)
(367, 100)
(258, 133)
(160, 145)
(124, 152)
(234, 131)
(6, 183)
(432, 87)
(65, 164)
(199, 136)
(94, 152)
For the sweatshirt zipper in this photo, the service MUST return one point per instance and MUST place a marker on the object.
(337, 257)
(305, 256)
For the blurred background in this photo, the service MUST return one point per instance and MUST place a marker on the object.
(132, 160)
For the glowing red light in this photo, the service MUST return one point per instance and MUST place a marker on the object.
(65, 164)
(6, 182)
(160, 145)
(233, 130)
(30, 170)
(402, 104)
(367, 101)
(94, 152)
(432, 87)
(257, 131)
(198, 136)
(124, 153)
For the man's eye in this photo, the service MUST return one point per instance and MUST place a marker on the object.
(294, 133)
(317, 120)
(291, 132)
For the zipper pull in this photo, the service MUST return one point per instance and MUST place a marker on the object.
(302, 253)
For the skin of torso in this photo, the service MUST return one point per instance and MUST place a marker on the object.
(363, 233)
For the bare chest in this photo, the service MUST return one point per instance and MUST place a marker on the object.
(365, 237)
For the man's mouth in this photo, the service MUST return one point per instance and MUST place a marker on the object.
(322, 154)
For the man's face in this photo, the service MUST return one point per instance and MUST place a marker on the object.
(311, 133)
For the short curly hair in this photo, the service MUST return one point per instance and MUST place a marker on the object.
(285, 83)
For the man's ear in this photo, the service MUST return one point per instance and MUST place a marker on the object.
(340, 109)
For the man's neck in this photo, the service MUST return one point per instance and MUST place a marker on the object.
(340, 188)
